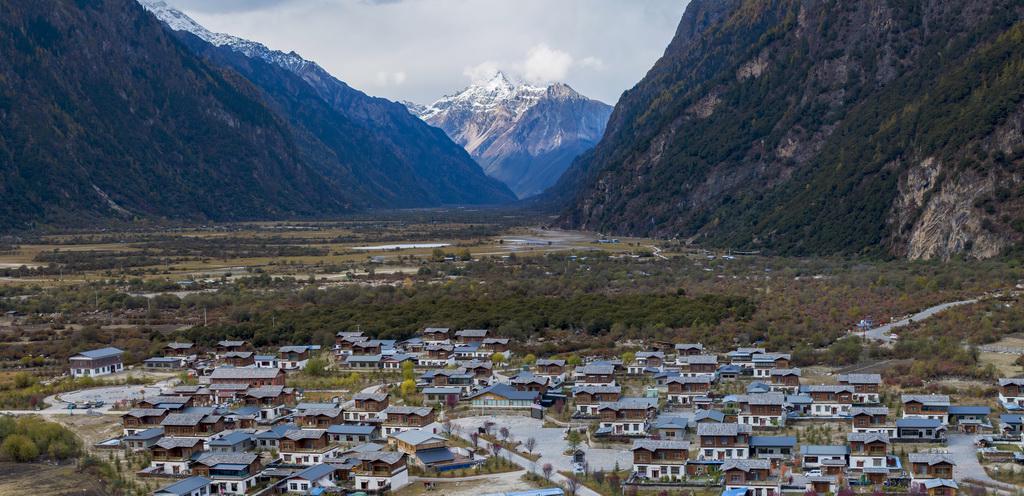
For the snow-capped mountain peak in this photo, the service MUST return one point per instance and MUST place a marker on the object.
(522, 134)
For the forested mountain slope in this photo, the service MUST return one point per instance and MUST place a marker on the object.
(799, 127)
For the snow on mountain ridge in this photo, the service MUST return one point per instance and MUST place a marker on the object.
(179, 21)
(522, 134)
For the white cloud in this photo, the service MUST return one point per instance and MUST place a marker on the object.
(482, 72)
(385, 78)
(544, 64)
(436, 43)
(592, 63)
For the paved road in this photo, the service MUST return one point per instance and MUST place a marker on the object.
(883, 333)
(107, 394)
(964, 453)
(517, 426)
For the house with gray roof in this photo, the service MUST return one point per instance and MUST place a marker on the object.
(98, 362)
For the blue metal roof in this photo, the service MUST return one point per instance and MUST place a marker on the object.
(186, 486)
(969, 410)
(316, 472)
(772, 441)
(918, 423)
(351, 429)
(435, 455)
(100, 353)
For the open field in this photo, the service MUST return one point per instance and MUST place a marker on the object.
(16, 478)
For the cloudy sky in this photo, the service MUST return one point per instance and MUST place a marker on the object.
(420, 50)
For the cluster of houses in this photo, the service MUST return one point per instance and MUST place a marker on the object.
(699, 416)
(700, 433)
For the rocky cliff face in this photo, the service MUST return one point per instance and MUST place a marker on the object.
(801, 127)
(522, 135)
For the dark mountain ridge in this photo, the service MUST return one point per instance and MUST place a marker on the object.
(799, 127)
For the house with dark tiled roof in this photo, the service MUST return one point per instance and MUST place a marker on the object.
(724, 441)
(306, 447)
(1011, 393)
(503, 396)
(231, 473)
(683, 389)
(377, 470)
(872, 419)
(192, 486)
(751, 475)
(830, 400)
(928, 406)
(587, 397)
(865, 386)
(403, 418)
(626, 417)
(141, 419)
(250, 376)
(367, 407)
(98, 362)
(172, 455)
(657, 459)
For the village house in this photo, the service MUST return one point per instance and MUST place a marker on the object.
(226, 346)
(595, 373)
(1011, 393)
(309, 480)
(270, 400)
(192, 486)
(367, 407)
(95, 363)
(496, 345)
(238, 358)
(773, 447)
(1011, 425)
(744, 357)
(306, 447)
(764, 363)
(723, 441)
(691, 365)
(344, 342)
(436, 355)
(172, 455)
(688, 349)
(670, 427)
(266, 361)
(446, 396)
(930, 466)
(970, 419)
(829, 400)
(467, 336)
(588, 396)
(554, 369)
(865, 387)
(872, 419)
(403, 418)
(824, 458)
(233, 442)
(784, 380)
(920, 430)
(164, 363)
(141, 419)
(318, 418)
(503, 396)
(200, 425)
(752, 475)
(436, 336)
(295, 357)
(527, 381)
(364, 361)
(460, 378)
(646, 361)
(250, 376)
(424, 448)
(142, 440)
(166, 402)
(626, 417)
(379, 470)
(930, 406)
(270, 439)
(940, 487)
(682, 389)
(231, 473)
(200, 395)
(656, 459)
(760, 410)
(869, 455)
(350, 434)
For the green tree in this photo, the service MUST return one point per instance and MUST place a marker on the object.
(498, 358)
(628, 357)
(20, 448)
(407, 371)
(530, 359)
